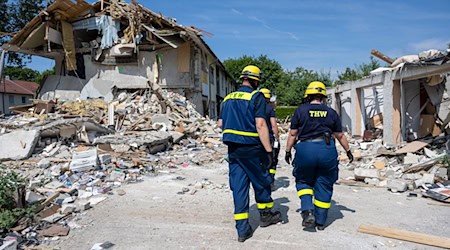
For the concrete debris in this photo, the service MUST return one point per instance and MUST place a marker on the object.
(409, 167)
(20, 143)
(397, 186)
(362, 173)
(73, 155)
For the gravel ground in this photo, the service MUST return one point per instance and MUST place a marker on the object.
(154, 215)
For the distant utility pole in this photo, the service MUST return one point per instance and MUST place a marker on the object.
(2, 62)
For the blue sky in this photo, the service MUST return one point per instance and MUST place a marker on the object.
(320, 35)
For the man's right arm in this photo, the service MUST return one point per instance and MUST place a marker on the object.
(261, 123)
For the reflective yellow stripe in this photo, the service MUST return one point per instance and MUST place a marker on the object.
(264, 205)
(237, 132)
(272, 171)
(241, 216)
(240, 96)
(305, 191)
(322, 204)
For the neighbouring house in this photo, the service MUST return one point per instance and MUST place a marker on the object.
(408, 101)
(107, 47)
(15, 93)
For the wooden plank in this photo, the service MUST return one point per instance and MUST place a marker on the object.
(438, 204)
(400, 234)
(382, 56)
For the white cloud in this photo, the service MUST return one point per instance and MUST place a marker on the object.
(432, 43)
(235, 11)
(265, 25)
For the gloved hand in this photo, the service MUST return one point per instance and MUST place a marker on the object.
(270, 159)
(288, 157)
(350, 155)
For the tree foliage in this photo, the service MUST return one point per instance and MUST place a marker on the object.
(359, 71)
(289, 86)
(15, 14)
(292, 91)
(26, 74)
(272, 72)
(42, 75)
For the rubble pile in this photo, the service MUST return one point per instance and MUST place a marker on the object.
(418, 165)
(79, 153)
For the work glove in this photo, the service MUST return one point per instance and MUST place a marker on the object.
(288, 157)
(350, 156)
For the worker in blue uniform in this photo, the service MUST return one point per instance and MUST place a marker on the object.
(315, 124)
(271, 119)
(250, 153)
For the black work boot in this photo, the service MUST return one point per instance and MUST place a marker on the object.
(320, 227)
(268, 218)
(309, 220)
(246, 236)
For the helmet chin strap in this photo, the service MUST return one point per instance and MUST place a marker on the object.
(253, 83)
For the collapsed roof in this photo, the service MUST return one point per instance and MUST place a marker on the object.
(127, 26)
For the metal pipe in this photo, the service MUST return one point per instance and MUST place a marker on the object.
(2, 62)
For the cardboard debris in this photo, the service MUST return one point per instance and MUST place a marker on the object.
(55, 230)
(428, 126)
(412, 147)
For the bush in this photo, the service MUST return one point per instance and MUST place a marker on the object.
(10, 182)
(285, 111)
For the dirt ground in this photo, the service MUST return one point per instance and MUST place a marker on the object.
(155, 215)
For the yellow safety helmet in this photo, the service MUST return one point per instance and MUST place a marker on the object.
(251, 72)
(315, 88)
(266, 92)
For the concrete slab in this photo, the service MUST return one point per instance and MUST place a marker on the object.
(18, 144)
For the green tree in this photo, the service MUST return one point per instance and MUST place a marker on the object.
(293, 90)
(360, 71)
(272, 72)
(44, 74)
(15, 14)
(25, 74)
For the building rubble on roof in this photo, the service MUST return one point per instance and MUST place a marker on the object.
(102, 48)
(399, 120)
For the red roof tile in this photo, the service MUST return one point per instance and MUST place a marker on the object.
(18, 87)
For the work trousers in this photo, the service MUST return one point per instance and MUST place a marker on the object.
(244, 171)
(315, 172)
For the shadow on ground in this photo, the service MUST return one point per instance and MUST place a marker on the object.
(281, 182)
(334, 213)
(278, 206)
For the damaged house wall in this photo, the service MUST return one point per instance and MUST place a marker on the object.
(345, 110)
(412, 97)
(373, 102)
(411, 104)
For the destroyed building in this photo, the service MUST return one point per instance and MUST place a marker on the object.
(407, 101)
(102, 48)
